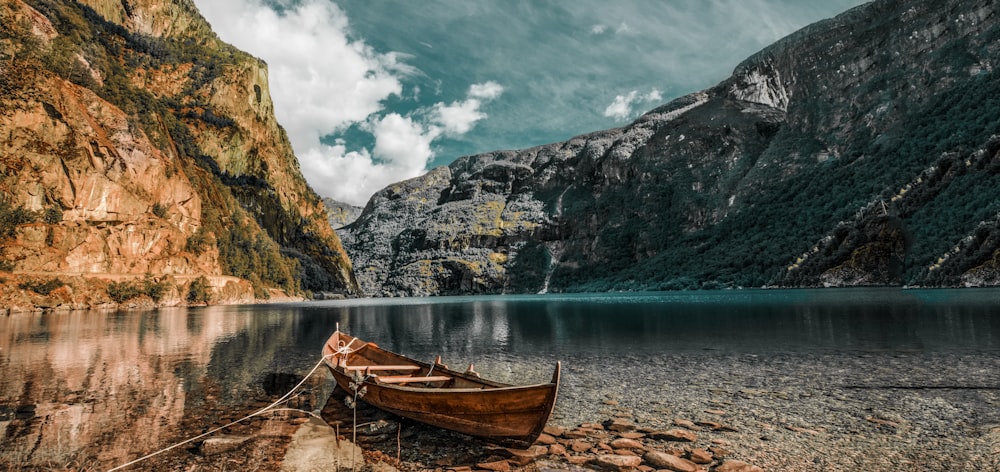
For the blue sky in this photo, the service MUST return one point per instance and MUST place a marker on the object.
(372, 92)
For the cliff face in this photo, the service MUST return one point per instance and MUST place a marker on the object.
(340, 214)
(860, 150)
(135, 142)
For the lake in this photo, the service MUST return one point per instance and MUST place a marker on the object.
(78, 388)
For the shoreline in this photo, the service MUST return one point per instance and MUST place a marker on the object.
(45, 292)
(386, 443)
(88, 292)
(723, 413)
(725, 429)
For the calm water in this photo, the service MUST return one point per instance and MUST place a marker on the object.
(79, 388)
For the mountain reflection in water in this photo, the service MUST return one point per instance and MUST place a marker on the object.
(97, 389)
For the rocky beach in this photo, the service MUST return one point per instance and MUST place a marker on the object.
(724, 412)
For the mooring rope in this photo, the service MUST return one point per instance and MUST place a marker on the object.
(268, 408)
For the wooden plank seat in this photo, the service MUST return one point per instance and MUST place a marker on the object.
(373, 368)
(405, 379)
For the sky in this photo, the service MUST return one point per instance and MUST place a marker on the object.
(372, 92)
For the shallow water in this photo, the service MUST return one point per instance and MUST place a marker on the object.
(95, 389)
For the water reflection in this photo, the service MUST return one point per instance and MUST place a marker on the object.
(752, 321)
(94, 389)
(86, 388)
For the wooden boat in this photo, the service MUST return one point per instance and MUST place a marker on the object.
(433, 394)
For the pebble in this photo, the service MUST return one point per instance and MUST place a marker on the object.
(719, 451)
(617, 462)
(222, 443)
(625, 443)
(545, 439)
(684, 423)
(662, 460)
(798, 429)
(737, 466)
(619, 425)
(580, 445)
(681, 435)
(495, 466)
(524, 457)
(554, 431)
(700, 456)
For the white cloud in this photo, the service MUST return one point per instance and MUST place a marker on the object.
(487, 91)
(403, 143)
(459, 118)
(402, 147)
(601, 28)
(323, 81)
(621, 108)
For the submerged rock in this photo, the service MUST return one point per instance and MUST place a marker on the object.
(315, 446)
(222, 443)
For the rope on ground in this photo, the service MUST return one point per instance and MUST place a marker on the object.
(266, 409)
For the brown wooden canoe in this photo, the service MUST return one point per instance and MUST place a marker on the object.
(435, 395)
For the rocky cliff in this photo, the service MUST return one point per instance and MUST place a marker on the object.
(135, 142)
(340, 214)
(861, 150)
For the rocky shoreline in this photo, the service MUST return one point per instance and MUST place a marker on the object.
(723, 429)
(792, 412)
(616, 444)
(708, 411)
(387, 443)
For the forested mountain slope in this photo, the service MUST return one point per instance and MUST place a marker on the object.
(861, 150)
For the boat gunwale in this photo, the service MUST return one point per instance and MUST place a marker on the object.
(488, 385)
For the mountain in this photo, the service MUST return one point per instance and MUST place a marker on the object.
(141, 160)
(860, 150)
(340, 214)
